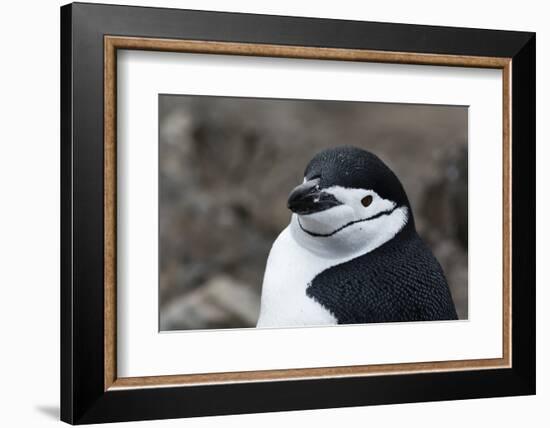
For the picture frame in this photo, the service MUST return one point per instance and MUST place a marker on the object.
(91, 390)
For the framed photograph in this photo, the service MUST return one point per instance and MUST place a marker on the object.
(265, 213)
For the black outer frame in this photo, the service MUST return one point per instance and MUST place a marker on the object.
(83, 399)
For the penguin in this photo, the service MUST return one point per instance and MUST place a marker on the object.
(351, 253)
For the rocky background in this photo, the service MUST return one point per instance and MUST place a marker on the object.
(228, 164)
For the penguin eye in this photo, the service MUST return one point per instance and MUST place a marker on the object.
(366, 201)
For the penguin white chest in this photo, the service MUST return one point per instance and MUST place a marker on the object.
(290, 269)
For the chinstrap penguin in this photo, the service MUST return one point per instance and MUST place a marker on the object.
(351, 253)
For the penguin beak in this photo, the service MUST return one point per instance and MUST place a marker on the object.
(308, 198)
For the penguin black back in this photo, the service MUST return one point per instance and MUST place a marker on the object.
(399, 281)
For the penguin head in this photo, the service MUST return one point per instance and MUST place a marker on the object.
(349, 201)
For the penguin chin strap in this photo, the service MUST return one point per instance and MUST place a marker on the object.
(334, 232)
(353, 238)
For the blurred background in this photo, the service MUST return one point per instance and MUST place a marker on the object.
(228, 164)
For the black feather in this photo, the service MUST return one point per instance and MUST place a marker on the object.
(398, 281)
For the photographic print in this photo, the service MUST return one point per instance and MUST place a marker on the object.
(230, 207)
(292, 213)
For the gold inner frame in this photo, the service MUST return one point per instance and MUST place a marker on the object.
(113, 43)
